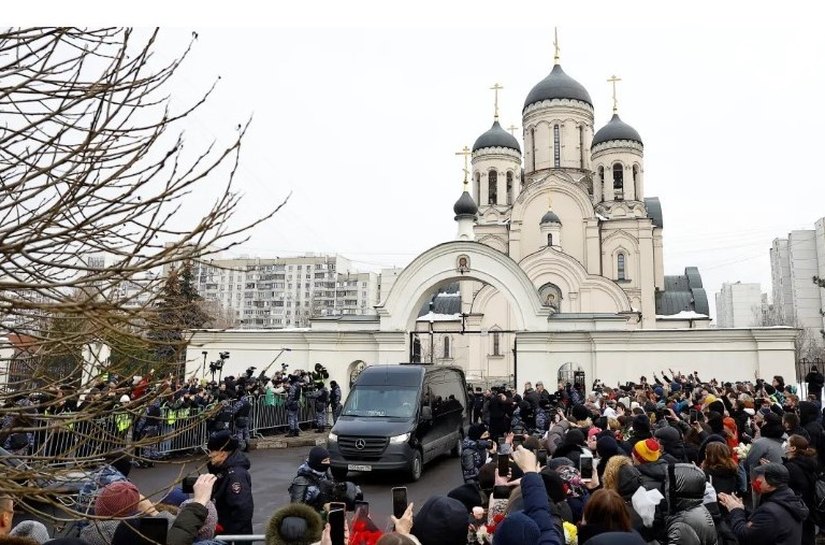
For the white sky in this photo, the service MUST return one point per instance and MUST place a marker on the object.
(359, 107)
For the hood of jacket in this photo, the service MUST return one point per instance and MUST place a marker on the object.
(807, 412)
(275, 526)
(656, 471)
(684, 487)
(792, 504)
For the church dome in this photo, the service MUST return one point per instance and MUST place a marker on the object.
(465, 206)
(550, 217)
(496, 137)
(616, 129)
(558, 85)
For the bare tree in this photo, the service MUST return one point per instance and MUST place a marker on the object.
(92, 162)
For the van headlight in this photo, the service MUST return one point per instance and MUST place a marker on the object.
(333, 437)
(398, 439)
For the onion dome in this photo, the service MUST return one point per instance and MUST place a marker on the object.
(550, 217)
(465, 206)
(496, 137)
(558, 85)
(616, 129)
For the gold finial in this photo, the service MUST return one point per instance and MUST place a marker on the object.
(556, 45)
(613, 79)
(466, 152)
(495, 88)
(512, 128)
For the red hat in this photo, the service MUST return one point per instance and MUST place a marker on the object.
(118, 499)
(647, 450)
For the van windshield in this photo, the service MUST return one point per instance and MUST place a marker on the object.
(387, 401)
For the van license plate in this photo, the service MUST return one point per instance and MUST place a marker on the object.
(358, 467)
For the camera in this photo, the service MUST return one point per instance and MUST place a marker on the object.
(188, 484)
(223, 355)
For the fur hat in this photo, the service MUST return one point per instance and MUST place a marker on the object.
(294, 524)
(647, 450)
(118, 499)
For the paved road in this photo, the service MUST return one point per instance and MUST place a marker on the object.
(273, 471)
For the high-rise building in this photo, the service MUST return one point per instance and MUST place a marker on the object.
(739, 305)
(286, 292)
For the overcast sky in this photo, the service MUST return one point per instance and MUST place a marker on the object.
(358, 114)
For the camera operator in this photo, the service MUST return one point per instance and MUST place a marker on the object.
(474, 452)
(314, 486)
(240, 411)
(293, 397)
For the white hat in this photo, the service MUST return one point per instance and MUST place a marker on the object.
(125, 398)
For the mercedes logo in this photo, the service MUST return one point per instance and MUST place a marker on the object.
(360, 444)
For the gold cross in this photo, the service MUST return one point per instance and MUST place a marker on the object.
(466, 152)
(613, 79)
(511, 128)
(495, 88)
(556, 45)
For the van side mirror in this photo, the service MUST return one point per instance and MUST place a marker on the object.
(426, 413)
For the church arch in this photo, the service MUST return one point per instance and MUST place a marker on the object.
(354, 369)
(492, 186)
(618, 179)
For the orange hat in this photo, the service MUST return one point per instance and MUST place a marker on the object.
(647, 450)
(730, 424)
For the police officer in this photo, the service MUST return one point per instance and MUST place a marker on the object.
(335, 400)
(240, 410)
(293, 397)
(223, 419)
(321, 401)
(233, 488)
(148, 429)
(313, 485)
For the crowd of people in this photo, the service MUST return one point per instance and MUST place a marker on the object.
(676, 460)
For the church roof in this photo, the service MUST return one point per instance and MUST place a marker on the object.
(446, 301)
(683, 293)
(465, 206)
(558, 85)
(550, 217)
(496, 137)
(654, 211)
(616, 129)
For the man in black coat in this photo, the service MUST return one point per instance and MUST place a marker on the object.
(233, 488)
(815, 381)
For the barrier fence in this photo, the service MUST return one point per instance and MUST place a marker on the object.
(67, 437)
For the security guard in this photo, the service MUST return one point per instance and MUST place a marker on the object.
(233, 488)
(293, 398)
(241, 409)
(321, 401)
(335, 400)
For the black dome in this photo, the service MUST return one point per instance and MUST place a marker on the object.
(616, 129)
(496, 137)
(550, 217)
(557, 84)
(465, 206)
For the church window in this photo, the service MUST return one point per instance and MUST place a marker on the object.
(635, 173)
(533, 148)
(492, 187)
(447, 348)
(601, 174)
(509, 188)
(549, 239)
(496, 343)
(416, 350)
(478, 187)
(618, 177)
(556, 146)
(621, 274)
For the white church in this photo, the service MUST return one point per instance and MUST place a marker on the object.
(557, 267)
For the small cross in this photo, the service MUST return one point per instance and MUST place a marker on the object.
(613, 79)
(512, 128)
(556, 45)
(495, 88)
(466, 152)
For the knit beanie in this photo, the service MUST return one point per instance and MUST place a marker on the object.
(580, 412)
(647, 450)
(207, 530)
(317, 455)
(476, 431)
(31, 529)
(668, 435)
(118, 499)
(516, 529)
(175, 497)
(593, 431)
(574, 436)
(716, 423)
(441, 520)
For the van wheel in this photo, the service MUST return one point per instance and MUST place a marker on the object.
(456, 452)
(416, 466)
(339, 473)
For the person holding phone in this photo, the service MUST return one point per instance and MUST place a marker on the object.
(197, 517)
(474, 452)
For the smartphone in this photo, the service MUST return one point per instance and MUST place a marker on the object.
(336, 526)
(694, 416)
(337, 505)
(188, 484)
(363, 506)
(399, 501)
(541, 457)
(503, 465)
(586, 468)
(154, 529)
(517, 440)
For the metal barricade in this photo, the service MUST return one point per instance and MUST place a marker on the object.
(272, 417)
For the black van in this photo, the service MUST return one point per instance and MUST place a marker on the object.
(400, 417)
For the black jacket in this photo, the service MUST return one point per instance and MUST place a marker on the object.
(803, 472)
(777, 520)
(690, 523)
(233, 494)
(815, 380)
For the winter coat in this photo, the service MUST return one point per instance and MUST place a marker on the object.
(764, 447)
(777, 520)
(615, 538)
(311, 487)
(555, 436)
(536, 507)
(184, 531)
(102, 532)
(473, 456)
(315, 524)
(815, 380)
(803, 472)
(232, 494)
(690, 522)
(724, 481)
(808, 414)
